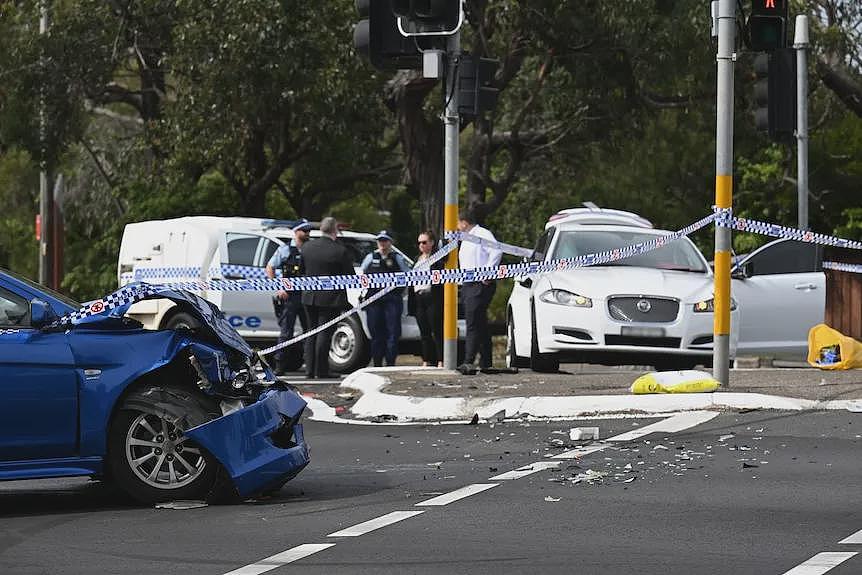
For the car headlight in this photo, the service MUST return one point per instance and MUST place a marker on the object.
(708, 305)
(563, 297)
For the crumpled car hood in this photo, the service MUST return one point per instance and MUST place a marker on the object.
(210, 317)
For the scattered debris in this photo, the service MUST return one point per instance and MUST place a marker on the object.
(182, 504)
(726, 437)
(583, 433)
(552, 499)
(498, 417)
(475, 420)
(384, 417)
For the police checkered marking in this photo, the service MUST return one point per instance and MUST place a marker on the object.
(842, 267)
(9, 331)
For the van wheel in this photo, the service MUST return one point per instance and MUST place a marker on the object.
(349, 349)
(182, 320)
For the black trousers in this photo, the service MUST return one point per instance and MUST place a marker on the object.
(287, 312)
(477, 297)
(429, 316)
(317, 346)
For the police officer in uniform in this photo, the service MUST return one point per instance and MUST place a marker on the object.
(288, 305)
(384, 315)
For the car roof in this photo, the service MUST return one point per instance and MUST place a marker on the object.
(594, 215)
(567, 226)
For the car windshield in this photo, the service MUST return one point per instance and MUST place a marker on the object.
(65, 299)
(678, 255)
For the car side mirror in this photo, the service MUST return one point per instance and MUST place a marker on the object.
(41, 314)
(739, 273)
(526, 282)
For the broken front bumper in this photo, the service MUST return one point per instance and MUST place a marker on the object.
(260, 446)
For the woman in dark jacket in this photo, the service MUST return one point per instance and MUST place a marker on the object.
(429, 306)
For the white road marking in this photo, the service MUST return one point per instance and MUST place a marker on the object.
(526, 470)
(820, 563)
(377, 523)
(855, 539)
(581, 451)
(677, 423)
(448, 498)
(673, 424)
(280, 559)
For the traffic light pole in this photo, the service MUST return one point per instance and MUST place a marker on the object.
(451, 124)
(723, 189)
(800, 42)
(46, 196)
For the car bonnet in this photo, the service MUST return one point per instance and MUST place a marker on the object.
(211, 319)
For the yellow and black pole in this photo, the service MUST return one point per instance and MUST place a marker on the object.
(723, 189)
(450, 213)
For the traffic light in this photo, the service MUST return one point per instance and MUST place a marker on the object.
(775, 93)
(476, 93)
(428, 15)
(377, 38)
(767, 25)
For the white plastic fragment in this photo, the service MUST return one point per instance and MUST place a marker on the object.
(181, 504)
(552, 499)
(583, 433)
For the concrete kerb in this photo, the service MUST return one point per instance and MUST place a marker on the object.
(373, 403)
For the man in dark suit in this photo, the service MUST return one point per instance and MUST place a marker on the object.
(324, 256)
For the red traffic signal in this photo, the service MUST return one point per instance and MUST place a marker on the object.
(767, 25)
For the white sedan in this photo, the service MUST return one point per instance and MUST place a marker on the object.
(655, 308)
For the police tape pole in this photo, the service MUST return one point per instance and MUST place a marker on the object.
(450, 213)
(723, 189)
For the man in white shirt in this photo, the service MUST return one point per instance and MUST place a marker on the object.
(476, 295)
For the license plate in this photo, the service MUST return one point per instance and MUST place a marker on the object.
(635, 331)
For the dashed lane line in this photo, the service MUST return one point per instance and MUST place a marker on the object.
(281, 559)
(376, 523)
(855, 539)
(820, 563)
(672, 424)
(526, 470)
(448, 498)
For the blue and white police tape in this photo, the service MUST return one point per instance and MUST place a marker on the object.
(495, 245)
(427, 263)
(725, 218)
(243, 272)
(842, 267)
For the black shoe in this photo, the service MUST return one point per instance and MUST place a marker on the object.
(466, 369)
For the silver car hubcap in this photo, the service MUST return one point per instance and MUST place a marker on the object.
(343, 344)
(158, 453)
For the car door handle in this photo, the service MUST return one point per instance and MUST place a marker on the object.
(805, 286)
(234, 277)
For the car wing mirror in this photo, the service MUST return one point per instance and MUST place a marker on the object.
(526, 282)
(41, 314)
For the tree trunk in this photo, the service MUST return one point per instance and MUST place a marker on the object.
(422, 142)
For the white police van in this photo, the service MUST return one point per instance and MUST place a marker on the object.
(208, 247)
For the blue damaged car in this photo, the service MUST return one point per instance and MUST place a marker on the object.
(172, 414)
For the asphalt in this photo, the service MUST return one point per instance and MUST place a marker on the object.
(757, 493)
(579, 379)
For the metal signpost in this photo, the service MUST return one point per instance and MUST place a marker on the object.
(723, 188)
(800, 43)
